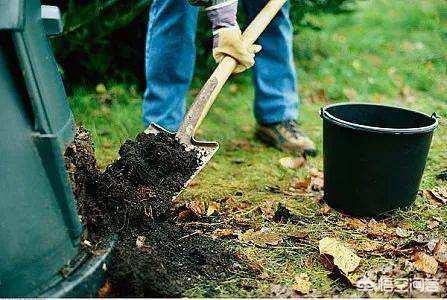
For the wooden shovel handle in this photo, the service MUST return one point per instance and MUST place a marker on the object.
(205, 99)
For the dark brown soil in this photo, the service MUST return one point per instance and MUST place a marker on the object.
(132, 198)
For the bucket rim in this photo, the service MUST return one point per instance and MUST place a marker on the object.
(337, 121)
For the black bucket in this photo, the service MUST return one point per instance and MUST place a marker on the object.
(374, 156)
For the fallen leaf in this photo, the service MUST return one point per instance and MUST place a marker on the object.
(344, 258)
(439, 194)
(301, 184)
(213, 207)
(403, 233)
(325, 210)
(292, 162)
(366, 246)
(432, 224)
(425, 263)
(225, 232)
(261, 238)
(298, 234)
(196, 207)
(440, 252)
(302, 284)
(268, 209)
(354, 223)
(378, 229)
(105, 290)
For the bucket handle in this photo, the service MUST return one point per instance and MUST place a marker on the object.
(434, 116)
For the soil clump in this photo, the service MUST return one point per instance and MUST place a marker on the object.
(154, 254)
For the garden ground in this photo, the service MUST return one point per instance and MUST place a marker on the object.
(390, 52)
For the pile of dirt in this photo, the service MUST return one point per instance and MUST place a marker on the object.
(154, 255)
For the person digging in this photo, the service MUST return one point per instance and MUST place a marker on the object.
(170, 58)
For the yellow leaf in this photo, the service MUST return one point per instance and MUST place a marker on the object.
(212, 208)
(425, 263)
(262, 237)
(302, 284)
(344, 258)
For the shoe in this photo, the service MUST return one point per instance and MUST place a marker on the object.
(287, 137)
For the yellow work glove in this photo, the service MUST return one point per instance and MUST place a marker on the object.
(228, 42)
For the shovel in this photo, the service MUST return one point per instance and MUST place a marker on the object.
(210, 91)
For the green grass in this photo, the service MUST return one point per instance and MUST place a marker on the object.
(391, 52)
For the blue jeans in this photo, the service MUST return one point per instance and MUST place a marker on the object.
(170, 58)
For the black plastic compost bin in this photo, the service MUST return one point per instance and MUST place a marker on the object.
(374, 156)
(40, 231)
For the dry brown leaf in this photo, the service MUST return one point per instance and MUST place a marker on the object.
(105, 290)
(196, 207)
(354, 223)
(298, 234)
(213, 207)
(344, 258)
(225, 232)
(440, 252)
(379, 228)
(301, 184)
(268, 209)
(425, 263)
(302, 284)
(440, 194)
(325, 210)
(261, 238)
(292, 162)
(366, 246)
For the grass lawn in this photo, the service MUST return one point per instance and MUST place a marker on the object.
(392, 52)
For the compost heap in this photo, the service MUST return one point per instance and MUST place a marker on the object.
(154, 255)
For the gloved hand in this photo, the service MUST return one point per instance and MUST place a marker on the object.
(228, 37)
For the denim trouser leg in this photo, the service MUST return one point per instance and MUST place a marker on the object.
(276, 95)
(170, 57)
